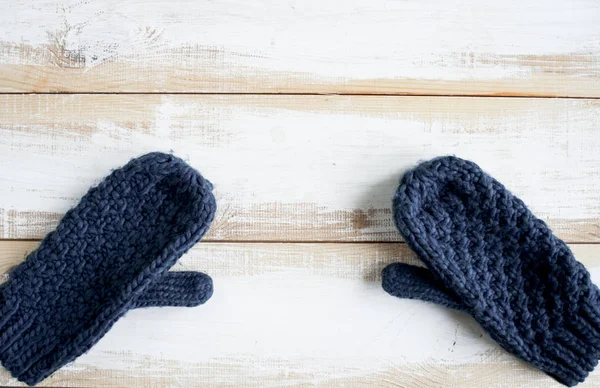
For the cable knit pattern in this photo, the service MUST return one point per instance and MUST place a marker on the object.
(108, 255)
(491, 257)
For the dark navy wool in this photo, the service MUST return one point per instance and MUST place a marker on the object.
(108, 255)
(489, 256)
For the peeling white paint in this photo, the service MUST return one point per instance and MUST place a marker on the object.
(350, 156)
(288, 314)
(298, 316)
(370, 39)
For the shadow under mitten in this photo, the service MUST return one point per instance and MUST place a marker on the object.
(109, 254)
(489, 256)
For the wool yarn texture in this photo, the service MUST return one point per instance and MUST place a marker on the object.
(489, 256)
(109, 254)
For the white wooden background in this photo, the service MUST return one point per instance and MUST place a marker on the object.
(304, 114)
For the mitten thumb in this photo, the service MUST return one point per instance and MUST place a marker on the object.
(186, 289)
(412, 282)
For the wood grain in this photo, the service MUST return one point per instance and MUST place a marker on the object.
(297, 315)
(437, 47)
(349, 261)
(297, 175)
(500, 371)
(299, 168)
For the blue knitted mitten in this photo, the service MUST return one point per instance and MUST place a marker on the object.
(489, 256)
(109, 254)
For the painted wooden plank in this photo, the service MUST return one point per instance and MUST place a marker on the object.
(297, 315)
(481, 47)
(299, 168)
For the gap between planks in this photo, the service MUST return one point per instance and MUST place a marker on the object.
(212, 241)
(399, 94)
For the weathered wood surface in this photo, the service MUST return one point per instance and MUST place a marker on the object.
(303, 182)
(482, 47)
(297, 315)
(299, 168)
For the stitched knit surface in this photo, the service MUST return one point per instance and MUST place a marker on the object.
(108, 254)
(499, 263)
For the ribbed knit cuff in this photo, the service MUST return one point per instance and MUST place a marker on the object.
(17, 330)
(575, 350)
